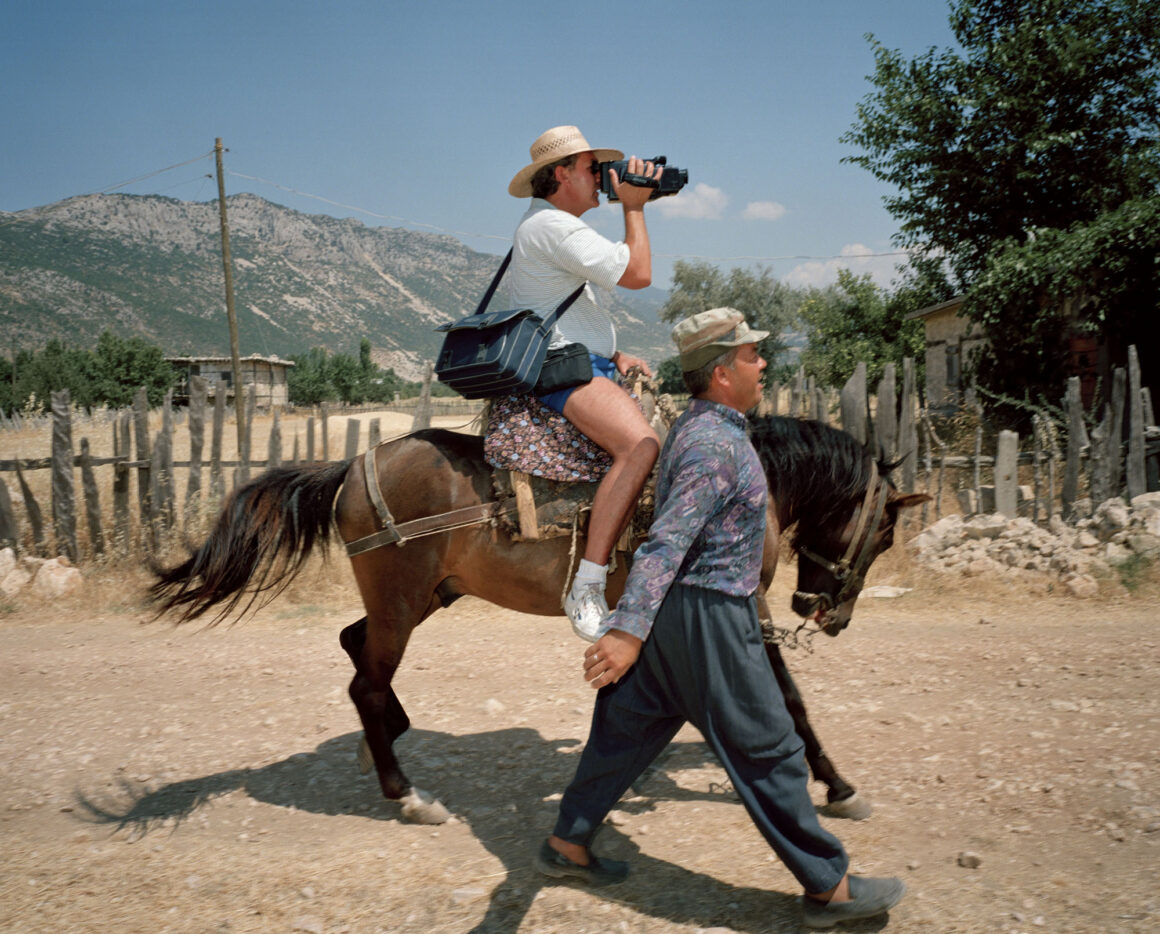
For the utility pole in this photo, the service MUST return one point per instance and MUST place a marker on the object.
(227, 265)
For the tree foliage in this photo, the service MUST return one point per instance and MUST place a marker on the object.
(1047, 117)
(1028, 161)
(108, 374)
(1101, 278)
(855, 321)
(767, 303)
(320, 376)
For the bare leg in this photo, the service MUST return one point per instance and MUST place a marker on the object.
(607, 415)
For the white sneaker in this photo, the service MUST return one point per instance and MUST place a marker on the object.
(588, 612)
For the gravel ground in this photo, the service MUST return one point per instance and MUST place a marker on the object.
(159, 779)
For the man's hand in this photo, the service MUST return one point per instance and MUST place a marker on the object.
(626, 361)
(608, 658)
(633, 197)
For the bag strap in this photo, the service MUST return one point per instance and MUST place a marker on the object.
(494, 283)
(551, 319)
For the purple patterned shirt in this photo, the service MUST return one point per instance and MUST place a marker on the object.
(710, 516)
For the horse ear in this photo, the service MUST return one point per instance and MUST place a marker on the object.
(909, 500)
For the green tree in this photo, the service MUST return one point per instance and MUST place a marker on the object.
(669, 376)
(346, 378)
(767, 303)
(1046, 116)
(53, 368)
(855, 321)
(1101, 278)
(120, 365)
(308, 381)
(1013, 157)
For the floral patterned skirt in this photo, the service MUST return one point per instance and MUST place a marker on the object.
(524, 434)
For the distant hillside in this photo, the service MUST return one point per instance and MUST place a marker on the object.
(151, 266)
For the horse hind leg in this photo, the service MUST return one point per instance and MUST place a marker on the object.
(384, 720)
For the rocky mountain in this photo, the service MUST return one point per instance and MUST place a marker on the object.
(151, 266)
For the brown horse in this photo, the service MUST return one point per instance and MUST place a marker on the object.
(820, 480)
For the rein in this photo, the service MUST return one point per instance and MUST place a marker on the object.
(850, 572)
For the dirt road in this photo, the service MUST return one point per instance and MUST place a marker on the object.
(157, 779)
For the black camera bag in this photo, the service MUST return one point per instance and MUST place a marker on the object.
(564, 367)
(499, 352)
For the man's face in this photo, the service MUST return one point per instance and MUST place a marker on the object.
(744, 374)
(580, 184)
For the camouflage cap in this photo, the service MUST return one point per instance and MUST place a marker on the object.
(708, 334)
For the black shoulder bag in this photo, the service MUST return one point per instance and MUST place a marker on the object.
(500, 352)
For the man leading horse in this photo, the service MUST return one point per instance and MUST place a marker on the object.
(685, 645)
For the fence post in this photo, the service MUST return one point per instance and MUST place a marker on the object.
(886, 416)
(353, 427)
(217, 484)
(1006, 475)
(244, 409)
(274, 446)
(310, 439)
(92, 500)
(8, 534)
(324, 417)
(422, 417)
(907, 430)
(121, 450)
(296, 452)
(64, 520)
(1137, 478)
(166, 500)
(198, 393)
(1076, 439)
(144, 484)
(374, 433)
(853, 405)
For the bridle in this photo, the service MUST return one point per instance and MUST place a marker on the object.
(850, 571)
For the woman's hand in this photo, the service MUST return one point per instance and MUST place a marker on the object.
(626, 361)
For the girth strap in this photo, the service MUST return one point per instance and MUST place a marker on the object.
(429, 525)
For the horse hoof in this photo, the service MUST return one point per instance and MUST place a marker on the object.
(366, 761)
(419, 807)
(853, 808)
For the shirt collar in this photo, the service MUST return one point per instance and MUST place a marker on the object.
(729, 414)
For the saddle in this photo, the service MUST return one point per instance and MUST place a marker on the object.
(551, 469)
(553, 498)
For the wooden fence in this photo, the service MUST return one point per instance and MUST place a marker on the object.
(895, 423)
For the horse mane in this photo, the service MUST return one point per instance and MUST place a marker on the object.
(811, 467)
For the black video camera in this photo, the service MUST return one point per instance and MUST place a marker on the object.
(671, 181)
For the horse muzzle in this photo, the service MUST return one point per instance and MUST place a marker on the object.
(821, 609)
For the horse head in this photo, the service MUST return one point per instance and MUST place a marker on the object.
(834, 557)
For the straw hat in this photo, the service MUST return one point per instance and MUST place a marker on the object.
(555, 144)
(707, 334)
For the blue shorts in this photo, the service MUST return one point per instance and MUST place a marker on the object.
(601, 366)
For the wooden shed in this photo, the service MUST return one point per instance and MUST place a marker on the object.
(265, 377)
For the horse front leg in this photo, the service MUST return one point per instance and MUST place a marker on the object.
(384, 720)
(841, 798)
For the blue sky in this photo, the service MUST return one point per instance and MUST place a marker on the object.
(418, 114)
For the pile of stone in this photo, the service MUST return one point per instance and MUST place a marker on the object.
(1077, 555)
(43, 577)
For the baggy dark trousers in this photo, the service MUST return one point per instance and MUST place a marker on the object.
(704, 663)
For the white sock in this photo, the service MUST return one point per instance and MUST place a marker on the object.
(589, 572)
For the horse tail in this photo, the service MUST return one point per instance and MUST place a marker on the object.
(266, 531)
